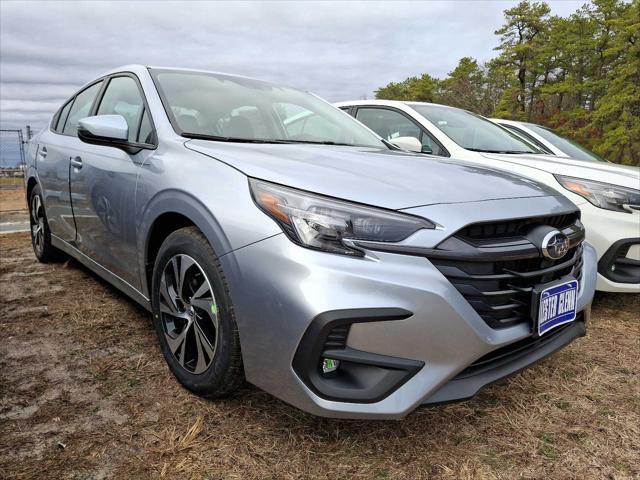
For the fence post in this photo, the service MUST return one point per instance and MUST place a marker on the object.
(23, 162)
(29, 132)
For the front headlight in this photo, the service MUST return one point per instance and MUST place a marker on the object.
(603, 195)
(322, 223)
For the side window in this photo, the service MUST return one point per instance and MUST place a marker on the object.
(122, 97)
(429, 145)
(81, 108)
(145, 135)
(62, 118)
(388, 124)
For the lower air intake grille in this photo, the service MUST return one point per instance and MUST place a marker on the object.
(507, 354)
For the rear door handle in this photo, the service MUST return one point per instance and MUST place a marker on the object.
(76, 162)
(43, 152)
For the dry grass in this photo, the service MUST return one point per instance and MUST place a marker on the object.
(85, 393)
(12, 199)
(17, 182)
(13, 204)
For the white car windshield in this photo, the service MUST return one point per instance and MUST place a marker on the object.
(567, 146)
(230, 108)
(473, 132)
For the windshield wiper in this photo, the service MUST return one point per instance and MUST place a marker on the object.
(323, 142)
(498, 151)
(218, 138)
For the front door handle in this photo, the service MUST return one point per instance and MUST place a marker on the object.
(43, 152)
(76, 162)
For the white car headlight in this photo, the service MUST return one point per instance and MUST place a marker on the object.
(321, 223)
(603, 195)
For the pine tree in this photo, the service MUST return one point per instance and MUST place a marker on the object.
(520, 39)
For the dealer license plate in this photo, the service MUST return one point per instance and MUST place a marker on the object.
(557, 305)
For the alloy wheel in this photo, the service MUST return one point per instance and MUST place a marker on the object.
(37, 224)
(189, 313)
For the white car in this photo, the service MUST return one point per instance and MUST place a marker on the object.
(548, 141)
(608, 194)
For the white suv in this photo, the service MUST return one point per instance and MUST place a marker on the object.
(608, 194)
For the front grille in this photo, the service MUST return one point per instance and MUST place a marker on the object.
(499, 284)
(513, 228)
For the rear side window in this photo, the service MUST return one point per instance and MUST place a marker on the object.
(62, 118)
(81, 108)
(122, 97)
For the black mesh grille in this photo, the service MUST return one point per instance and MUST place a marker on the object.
(500, 291)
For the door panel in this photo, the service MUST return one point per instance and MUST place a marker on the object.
(103, 185)
(53, 162)
(52, 165)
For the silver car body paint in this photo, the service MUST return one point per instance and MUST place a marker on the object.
(276, 286)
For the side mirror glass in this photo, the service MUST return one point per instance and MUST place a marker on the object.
(411, 144)
(103, 128)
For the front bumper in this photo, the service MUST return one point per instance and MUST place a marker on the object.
(611, 233)
(278, 289)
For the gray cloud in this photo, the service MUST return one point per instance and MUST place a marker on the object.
(338, 50)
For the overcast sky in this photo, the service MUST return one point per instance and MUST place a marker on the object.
(338, 50)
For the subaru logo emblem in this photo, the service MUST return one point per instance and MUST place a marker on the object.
(555, 245)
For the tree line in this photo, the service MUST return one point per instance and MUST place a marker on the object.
(579, 75)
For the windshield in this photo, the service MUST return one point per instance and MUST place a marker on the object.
(473, 132)
(569, 148)
(228, 108)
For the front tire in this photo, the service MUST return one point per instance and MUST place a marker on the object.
(40, 234)
(193, 315)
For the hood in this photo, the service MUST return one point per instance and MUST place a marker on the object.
(372, 176)
(612, 173)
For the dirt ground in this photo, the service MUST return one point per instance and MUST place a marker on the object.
(85, 393)
(13, 206)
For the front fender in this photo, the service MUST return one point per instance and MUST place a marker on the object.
(237, 216)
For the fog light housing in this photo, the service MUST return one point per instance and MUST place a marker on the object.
(329, 365)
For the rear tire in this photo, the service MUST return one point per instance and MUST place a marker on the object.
(40, 234)
(193, 315)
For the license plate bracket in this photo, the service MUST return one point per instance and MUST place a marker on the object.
(554, 304)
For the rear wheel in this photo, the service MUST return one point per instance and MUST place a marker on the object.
(193, 315)
(40, 233)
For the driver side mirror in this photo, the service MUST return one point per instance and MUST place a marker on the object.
(412, 144)
(107, 130)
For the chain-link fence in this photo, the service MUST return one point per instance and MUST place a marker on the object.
(12, 159)
(11, 149)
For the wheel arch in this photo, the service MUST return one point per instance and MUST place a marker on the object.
(31, 184)
(166, 213)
